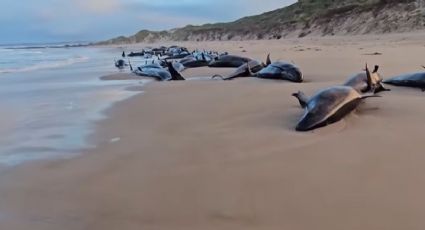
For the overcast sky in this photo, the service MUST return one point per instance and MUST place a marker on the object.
(92, 20)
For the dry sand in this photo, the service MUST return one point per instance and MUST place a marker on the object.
(206, 154)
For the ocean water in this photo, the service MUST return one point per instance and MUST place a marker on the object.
(50, 99)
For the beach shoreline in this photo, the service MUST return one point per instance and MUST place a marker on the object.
(211, 154)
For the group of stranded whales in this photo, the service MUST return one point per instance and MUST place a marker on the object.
(165, 65)
(327, 106)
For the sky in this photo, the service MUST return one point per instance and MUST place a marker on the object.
(37, 21)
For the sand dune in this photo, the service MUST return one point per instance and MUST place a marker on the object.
(224, 155)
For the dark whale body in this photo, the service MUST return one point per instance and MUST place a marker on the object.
(228, 61)
(281, 71)
(327, 106)
(415, 80)
(159, 73)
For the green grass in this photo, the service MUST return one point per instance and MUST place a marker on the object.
(269, 24)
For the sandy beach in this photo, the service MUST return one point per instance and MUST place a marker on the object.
(212, 154)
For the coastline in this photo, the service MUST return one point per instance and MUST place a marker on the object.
(224, 155)
(51, 107)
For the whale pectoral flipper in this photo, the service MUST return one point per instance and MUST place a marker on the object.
(249, 69)
(131, 67)
(369, 96)
(175, 75)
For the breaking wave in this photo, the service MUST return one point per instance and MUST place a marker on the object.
(45, 65)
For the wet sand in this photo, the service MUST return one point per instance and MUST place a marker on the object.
(209, 154)
(119, 76)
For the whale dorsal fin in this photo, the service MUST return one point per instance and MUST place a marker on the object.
(268, 60)
(369, 79)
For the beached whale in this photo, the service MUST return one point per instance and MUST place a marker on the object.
(120, 64)
(195, 61)
(415, 80)
(176, 52)
(159, 73)
(248, 69)
(136, 54)
(360, 82)
(178, 55)
(328, 106)
(229, 61)
(159, 51)
(281, 71)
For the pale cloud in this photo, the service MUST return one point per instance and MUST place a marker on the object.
(91, 20)
(169, 3)
(98, 6)
(45, 15)
(157, 20)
